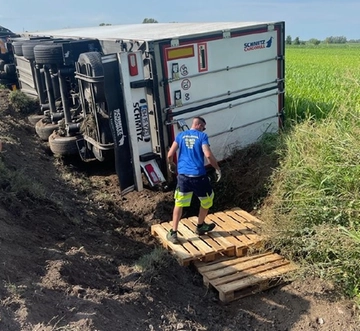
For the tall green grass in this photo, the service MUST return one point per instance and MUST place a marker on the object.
(313, 209)
(320, 79)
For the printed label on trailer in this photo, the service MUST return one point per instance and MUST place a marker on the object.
(184, 70)
(185, 84)
(145, 122)
(259, 44)
(119, 127)
(141, 122)
(177, 97)
(175, 71)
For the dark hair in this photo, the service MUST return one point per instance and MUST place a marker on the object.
(201, 119)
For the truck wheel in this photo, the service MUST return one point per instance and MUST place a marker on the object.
(10, 69)
(48, 54)
(60, 145)
(44, 129)
(94, 60)
(28, 49)
(17, 46)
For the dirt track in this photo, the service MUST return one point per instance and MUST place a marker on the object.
(68, 257)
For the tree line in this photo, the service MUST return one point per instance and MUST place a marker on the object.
(314, 41)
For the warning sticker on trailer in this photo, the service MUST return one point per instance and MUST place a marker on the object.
(182, 52)
(184, 70)
(185, 84)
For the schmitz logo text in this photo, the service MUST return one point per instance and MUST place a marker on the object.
(259, 44)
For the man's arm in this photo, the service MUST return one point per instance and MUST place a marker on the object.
(210, 156)
(170, 156)
(212, 160)
(172, 151)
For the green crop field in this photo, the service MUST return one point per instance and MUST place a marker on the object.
(319, 78)
(313, 205)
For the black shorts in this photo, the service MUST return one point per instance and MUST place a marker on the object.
(200, 186)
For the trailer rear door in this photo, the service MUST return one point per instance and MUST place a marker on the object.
(234, 80)
(135, 89)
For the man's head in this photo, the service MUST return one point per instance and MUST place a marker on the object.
(199, 124)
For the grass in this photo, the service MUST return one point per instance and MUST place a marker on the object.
(312, 210)
(320, 79)
(154, 261)
(22, 103)
(19, 184)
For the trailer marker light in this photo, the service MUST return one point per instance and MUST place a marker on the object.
(133, 69)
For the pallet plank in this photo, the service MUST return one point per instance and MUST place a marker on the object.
(190, 236)
(193, 251)
(235, 268)
(243, 221)
(178, 249)
(204, 268)
(243, 239)
(246, 235)
(210, 241)
(243, 274)
(221, 236)
(254, 279)
(251, 220)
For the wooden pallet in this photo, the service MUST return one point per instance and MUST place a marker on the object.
(240, 228)
(236, 231)
(237, 277)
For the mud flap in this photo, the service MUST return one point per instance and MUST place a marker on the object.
(119, 128)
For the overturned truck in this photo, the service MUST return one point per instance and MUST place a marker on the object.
(127, 90)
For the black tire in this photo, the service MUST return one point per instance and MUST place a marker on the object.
(10, 69)
(94, 60)
(33, 119)
(44, 130)
(63, 145)
(17, 47)
(49, 54)
(28, 49)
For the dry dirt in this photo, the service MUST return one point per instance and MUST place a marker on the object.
(68, 259)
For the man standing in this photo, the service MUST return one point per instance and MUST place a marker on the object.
(193, 146)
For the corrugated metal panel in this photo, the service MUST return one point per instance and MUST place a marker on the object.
(25, 75)
(149, 32)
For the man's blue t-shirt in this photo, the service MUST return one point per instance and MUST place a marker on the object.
(191, 155)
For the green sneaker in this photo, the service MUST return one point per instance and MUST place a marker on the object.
(204, 228)
(172, 237)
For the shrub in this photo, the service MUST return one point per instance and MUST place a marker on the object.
(22, 103)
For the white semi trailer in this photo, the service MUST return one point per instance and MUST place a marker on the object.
(152, 79)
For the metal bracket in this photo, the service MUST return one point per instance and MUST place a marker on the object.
(175, 42)
(180, 123)
(226, 34)
(271, 27)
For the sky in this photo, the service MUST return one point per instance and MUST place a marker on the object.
(305, 19)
